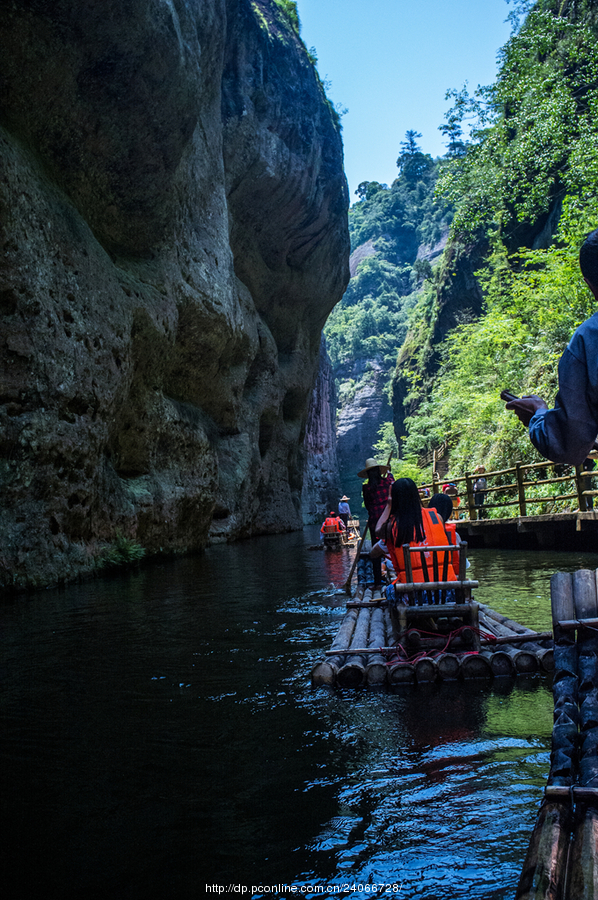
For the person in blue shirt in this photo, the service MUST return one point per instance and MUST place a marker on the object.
(567, 433)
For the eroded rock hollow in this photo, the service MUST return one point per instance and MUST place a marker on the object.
(173, 225)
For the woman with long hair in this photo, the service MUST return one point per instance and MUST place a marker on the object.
(405, 522)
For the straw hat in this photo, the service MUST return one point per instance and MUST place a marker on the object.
(344, 497)
(372, 464)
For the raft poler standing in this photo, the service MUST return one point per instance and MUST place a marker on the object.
(344, 510)
(376, 493)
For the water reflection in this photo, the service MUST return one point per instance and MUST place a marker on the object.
(160, 734)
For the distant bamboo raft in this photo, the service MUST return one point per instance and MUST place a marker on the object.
(562, 858)
(364, 651)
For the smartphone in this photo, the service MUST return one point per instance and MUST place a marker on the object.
(507, 396)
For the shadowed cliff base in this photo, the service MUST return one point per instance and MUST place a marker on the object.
(173, 217)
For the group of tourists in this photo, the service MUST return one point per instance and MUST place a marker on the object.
(396, 517)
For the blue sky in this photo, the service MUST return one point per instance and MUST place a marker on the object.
(390, 63)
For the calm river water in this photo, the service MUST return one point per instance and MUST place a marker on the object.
(160, 734)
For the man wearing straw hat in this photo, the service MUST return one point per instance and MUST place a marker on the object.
(344, 510)
(375, 497)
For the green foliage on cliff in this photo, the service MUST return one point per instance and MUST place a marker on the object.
(371, 320)
(405, 215)
(290, 12)
(121, 553)
(535, 300)
(533, 130)
(534, 145)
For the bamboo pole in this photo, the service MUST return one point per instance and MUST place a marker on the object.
(347, 585)
(345, 631)
(510, 624)
(525, 662)
(352, 673)
(561, 601)
(401, 673)
(426, 670)
(574, 624)
(448, 666)
(545, 863)
(376, 666)
(584, 855)
(584, 594)
(325, 671)
(474, 665)
(501, 663)
(520, 638)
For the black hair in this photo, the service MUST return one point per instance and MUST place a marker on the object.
(588, 258)
(443, 504)
(406, 522)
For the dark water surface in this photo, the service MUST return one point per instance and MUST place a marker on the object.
(160, 734)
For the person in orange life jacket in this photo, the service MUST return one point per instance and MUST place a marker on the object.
(332, 521)
(405, 522)
(443, 505)
(375, 497)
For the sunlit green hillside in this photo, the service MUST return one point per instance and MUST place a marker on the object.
(531, 162)
(390, 225)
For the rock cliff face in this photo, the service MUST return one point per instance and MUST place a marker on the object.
(359, 422)
(321, 483)
(173, 222)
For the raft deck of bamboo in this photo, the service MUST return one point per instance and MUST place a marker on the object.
(365, 652)
(562, 858)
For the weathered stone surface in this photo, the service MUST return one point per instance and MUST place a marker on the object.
(321, 483)
(173, 233)
(359, 422)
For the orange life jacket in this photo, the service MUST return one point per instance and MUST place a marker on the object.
(451, 531)
(331, 524)
(435, 537)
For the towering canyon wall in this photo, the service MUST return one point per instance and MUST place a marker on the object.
(173, 223)
(321, 483)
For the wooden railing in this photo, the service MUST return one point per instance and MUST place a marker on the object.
(520, 487)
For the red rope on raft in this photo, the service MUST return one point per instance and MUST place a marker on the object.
(403, 656)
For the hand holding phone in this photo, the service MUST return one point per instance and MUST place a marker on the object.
(507, 396)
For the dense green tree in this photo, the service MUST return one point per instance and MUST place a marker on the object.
(413, 164)
(528, 127)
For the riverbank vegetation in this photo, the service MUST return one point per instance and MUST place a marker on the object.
(524, 157)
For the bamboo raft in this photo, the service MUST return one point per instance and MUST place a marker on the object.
(367, 649)
(562, 858)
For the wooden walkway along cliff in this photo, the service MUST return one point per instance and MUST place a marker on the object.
(373, 647)
(562, 859)
(532, 513)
